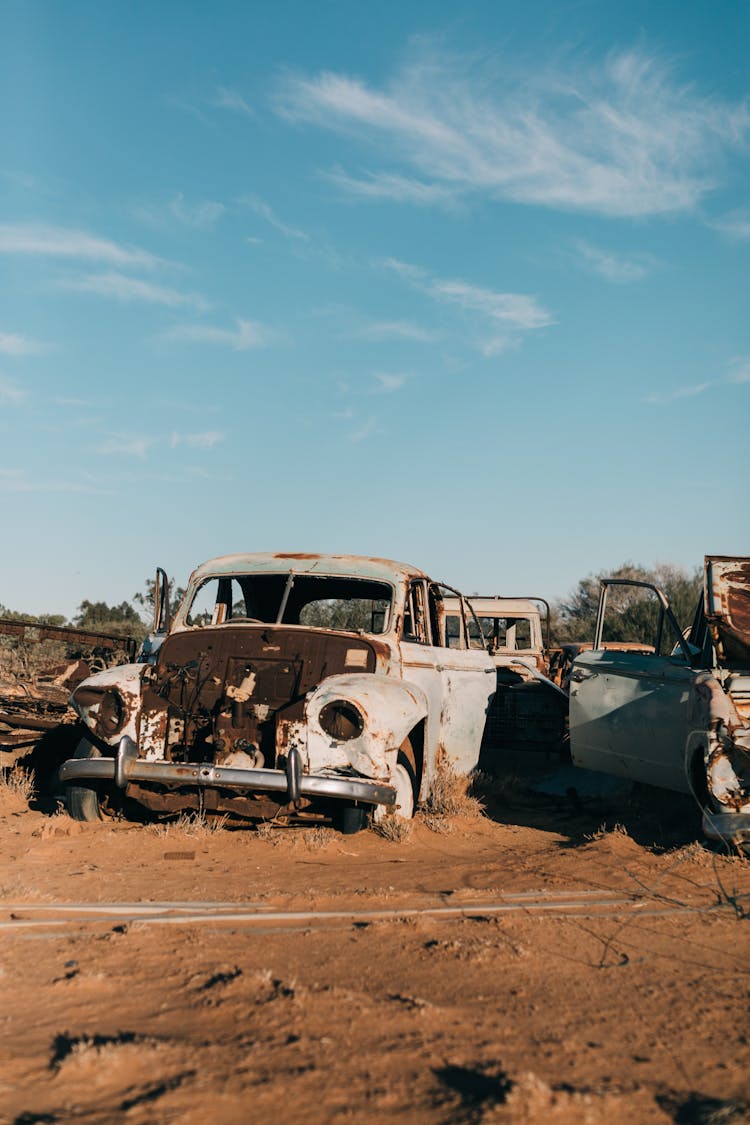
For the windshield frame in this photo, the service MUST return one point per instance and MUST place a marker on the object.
(292, 576)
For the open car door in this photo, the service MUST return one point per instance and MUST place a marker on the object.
(629, 708)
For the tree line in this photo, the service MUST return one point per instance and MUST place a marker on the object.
(123, 620)
(572, 618)
(631, 611)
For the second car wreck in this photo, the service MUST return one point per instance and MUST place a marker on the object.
(310, 684)
(528, 712)
(677, 716)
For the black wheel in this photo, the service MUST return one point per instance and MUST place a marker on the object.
(350, 819)
(83, 800)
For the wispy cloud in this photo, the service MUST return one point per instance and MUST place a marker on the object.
(10, 392)
(13, 344)
(18, 480)
(398, 330)
(735, 225)
(131, 445)
(248, 334)
(77, 403)
(21, 179)
(517, 310)
(623, 137)
(363, 431)
(60, 242)
(230, 99)
(689, 390)
(739, 372)
(203, 216)
(124, 288)
(497, 345)
(206, 440)
(266, 212)
(391, 185)
(387, 382)
(614, 267)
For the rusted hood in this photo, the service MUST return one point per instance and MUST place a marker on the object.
(727, 594)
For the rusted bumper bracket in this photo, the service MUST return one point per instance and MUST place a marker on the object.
(126, 768)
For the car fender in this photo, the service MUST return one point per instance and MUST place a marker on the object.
(125, 682)
(389, 709)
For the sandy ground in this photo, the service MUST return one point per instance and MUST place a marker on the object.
(529, 965)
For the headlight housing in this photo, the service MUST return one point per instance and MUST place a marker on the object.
(111, 712)
(341, 720)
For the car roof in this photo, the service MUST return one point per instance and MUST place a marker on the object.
(490, 605)
(281, 562)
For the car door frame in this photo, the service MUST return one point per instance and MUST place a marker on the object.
(459, 684)
(629, 711)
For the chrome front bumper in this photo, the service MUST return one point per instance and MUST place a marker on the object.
(126, 767)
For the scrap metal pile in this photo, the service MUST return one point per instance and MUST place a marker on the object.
(39, 667)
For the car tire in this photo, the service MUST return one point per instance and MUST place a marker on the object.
(350, 819)
(82, 800)
(404, 779)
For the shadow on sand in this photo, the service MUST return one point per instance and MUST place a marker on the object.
(541, 792)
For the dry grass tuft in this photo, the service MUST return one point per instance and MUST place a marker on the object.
(16, 784)
(191, 824)
(440, 824)
(604, 830)
(268, 831)
(696, 852)
(394, 828)
(319, 837)
(450, 796)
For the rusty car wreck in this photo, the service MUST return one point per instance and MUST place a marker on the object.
(313, 685)
(676, 715)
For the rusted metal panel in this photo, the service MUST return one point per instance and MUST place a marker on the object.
(28, 722)
(727, 603)
(39, 664)
(34, 632)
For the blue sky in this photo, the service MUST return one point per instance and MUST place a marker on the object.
(465, 286)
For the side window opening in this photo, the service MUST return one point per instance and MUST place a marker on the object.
(514, 633)
(453, 630)
(474, 628)
(437, 618)
(462, 626)
(447, 630)
(415, 621)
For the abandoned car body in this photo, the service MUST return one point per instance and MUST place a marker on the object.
(305, 683)
(528, 711)
(677, 716)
